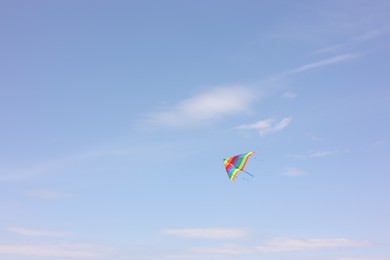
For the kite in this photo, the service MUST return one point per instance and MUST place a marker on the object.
(236, 164)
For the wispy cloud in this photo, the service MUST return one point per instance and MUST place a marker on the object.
(208, 233)
(291, 171)
(367, 36)
(370, 35)
(45, 194)
(361, 258)
(286, 244)
(289, 95)
(210, 105)
(319, 153)
(28, 172)
(321, 63)
(266, 126)
(278, 245)
(37, 233)
(312, 136)
(24, 173)
(332, 48)
(378, 144)
(53, 251)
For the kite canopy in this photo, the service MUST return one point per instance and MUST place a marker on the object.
(236, 164)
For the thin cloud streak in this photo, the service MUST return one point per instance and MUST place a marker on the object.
(370, 35)
(279, 245)
(84, 251)
(207, 233)
(321, 63)
(289, 95)
(45, 194)
(291, 171)
(37, 233)
(363, 258)
(25, 173)
(319, 154)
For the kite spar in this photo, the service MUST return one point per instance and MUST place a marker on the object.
(236, 164)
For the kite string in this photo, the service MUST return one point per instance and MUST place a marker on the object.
(242, 170)
(258, 159)
(247, 173)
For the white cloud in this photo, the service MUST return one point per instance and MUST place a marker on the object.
(53, 251)
(291, 171)
(213, 104)
(37, 233)
(209, 233)
(278, 245)
(266, 126)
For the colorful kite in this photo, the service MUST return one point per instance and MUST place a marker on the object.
(236, 164)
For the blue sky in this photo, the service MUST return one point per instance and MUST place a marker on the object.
(116, 115)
